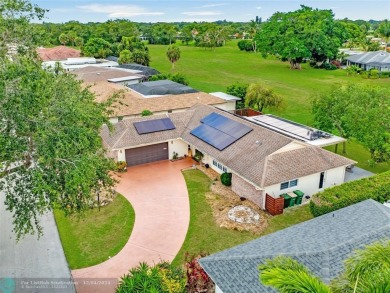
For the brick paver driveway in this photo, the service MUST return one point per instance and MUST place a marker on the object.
(159, 196)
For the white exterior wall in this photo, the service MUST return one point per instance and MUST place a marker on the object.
(209, 160)
(227, 106)
(178, 146)
(121, 155)
(309, 184)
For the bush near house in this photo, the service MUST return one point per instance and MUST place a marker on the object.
(376, 187)
(245, 45)
(226, 179)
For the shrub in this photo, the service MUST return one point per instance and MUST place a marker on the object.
(329, 66)
(197, 279)
(226, 179)
(376, 187)
(161, 278)
(385, 74)
(121, 166)
(336, 63)
(146, 113)
(245, 45)
(374, 73)
(179, 78)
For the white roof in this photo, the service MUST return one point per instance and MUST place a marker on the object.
(225, 96)
(80, 60)
(125, 78)
(297, 131)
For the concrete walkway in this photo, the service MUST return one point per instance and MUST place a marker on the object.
(159, 196)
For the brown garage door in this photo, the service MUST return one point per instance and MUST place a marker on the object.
(147, 154)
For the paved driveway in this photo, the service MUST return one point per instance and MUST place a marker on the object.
(159, 196)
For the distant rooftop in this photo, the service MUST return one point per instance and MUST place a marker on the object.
(377, 58)
(92, 73)
(146, 70)
(296, 130)
(57, 53)
(225, 96)
(161, 88)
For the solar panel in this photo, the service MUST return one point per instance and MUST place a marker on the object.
(213, 136)
(155, 125)
(220, 131)
(226, 125)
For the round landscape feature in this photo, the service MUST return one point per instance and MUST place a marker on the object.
(244, 215)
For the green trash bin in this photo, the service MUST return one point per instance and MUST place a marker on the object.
(292, 201)
(287, 200)
(300, 195)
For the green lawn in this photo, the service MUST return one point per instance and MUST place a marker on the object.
(205, 236)
(96, 235)
(213, 70)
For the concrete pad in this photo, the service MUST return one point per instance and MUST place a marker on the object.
(356, 174)
(159, 196)
(32, 265)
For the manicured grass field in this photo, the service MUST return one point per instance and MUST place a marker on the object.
(214, 70)
(96, 235)
(204, 235)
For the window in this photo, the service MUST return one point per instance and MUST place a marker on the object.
(288, 184)
(284, 185)
(224, 169)
(293, 182)
(215, 163)
(219, 166)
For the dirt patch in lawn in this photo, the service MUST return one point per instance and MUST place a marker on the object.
(222, 199)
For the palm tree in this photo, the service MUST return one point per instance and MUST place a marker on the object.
(173, 54)
(367, 270)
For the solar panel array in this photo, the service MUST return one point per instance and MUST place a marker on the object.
(155, 125)
(220, 131)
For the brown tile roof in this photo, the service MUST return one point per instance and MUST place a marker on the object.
(133, 103)
(301, 162)
(92, 74)
(244, 157)
(58, 53)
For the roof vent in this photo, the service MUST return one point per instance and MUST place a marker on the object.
(258, 142)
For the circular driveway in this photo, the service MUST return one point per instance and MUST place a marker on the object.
(159, 197)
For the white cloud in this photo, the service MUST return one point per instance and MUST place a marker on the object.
(117, 11)
(213, 5)
(201, 13)
(258, 7)
(61, 10)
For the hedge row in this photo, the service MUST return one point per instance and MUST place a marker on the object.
(376, 187)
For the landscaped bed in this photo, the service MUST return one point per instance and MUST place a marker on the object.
(95, 236)
(205, 235)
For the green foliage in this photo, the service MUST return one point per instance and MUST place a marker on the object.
(97, 47)
(376, 187)
(121, 166)
(238, 90)
(173, 54)
(358, 111)
(161, 278)
(79, 42)
(260, 97)
(50, 126)
(146, 113)
(124, 57)
(15, 27)
(63, 38)
(353, 70)
(374, 73)
(289, 276)
(245, 45)
(305, 33)
(226, 179)
(368, 269)
(161, 33)
(177, 77)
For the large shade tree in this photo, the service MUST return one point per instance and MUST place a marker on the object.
(305, 33)
(359, 111)
(96, 47)
(384, 31)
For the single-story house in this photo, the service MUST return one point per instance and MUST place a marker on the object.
(71, 64)
(264, 164)
(146, 70)
(139, 97)
(58, 53)
(321, 244)
(379, 60)
(91, 74)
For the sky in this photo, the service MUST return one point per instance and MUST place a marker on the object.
(202, 10)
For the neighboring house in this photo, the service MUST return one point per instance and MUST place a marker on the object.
(58, 53)
(162, 96)
(264, 164)
(91, 74)
(146, 70)
(71, 64)
(379, 60)
(322, 244)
